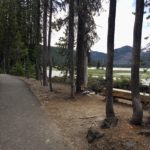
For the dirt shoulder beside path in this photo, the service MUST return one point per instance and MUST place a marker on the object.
(75, 117)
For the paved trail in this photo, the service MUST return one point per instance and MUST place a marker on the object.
(23, 123)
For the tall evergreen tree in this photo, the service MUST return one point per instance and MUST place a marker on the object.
(137, 107)
(85, 38)
(37, 35)
(20, 33)
(80, 49)
(49, 44)
(45, 9)
(111, 119)
(110, 56)
(71, 46)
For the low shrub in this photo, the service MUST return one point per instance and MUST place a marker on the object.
(96, 84)
(1, 70)
(60, 79)
(30, 71)
(17, 69)
(122, 83)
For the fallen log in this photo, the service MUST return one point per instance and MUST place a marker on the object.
(126, 95)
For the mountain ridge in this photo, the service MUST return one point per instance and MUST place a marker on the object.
(122, 57)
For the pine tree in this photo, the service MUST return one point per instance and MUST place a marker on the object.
(85, 38)
(49, 45)
(111, 119)
(71, 46)
(137, 107)
(44, 61)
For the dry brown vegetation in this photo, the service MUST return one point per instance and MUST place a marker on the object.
(75, 116)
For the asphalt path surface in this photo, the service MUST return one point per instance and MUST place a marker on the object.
(24, 125)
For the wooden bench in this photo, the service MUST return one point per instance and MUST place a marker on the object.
(126, 95)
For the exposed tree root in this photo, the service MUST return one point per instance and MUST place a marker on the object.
(93, 135)
(109, 122)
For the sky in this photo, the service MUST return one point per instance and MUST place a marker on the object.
(123, 30)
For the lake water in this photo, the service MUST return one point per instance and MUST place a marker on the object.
(121, 69)
(60, 73)
(55, 73)
(144, 81)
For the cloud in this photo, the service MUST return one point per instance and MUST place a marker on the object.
(124, 26)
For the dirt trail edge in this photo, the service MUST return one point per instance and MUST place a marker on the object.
(23, 123)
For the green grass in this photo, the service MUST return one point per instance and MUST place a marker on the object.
(96, 72)
(116, 73)
(96, 80)
(145, 75)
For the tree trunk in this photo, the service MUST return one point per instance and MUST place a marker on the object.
(4, 63)
(71, 46)
(37, 38)
(80, 51)
(49, 47)
(110, 57)
(137, 107)
(37, 68)
(85, 70)
(45, 3)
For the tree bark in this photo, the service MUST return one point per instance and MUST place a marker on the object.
(85, 70)
(80, 80)
(110, 57)
(137, 107)
(49, 46)
(38, 38)
(71, 46)
(45, 4)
